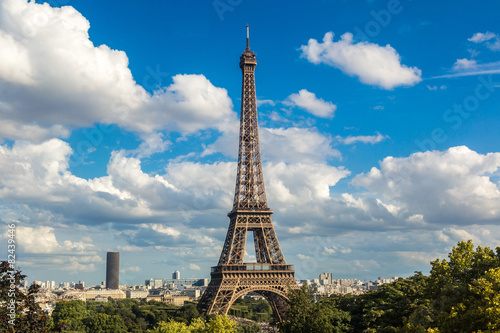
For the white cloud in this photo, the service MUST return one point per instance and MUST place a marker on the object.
(353, 202)
(129, 248)
(373, 64)
(461, 235)
(130, 269)
(265, 102)
(296, 145)
(328, 251)
(473, 70)
(479, 37)
(300, 183)
(464, 64)
(450, 187)
(151, 143)
(165, 230)
(69, 256)
(91, 84)
(38, 240)
(434, 88)
(291, 145)
(372, 139)
(38, 174)
(14, 65)
(491, 40)
(194, 267)
(303, 257)
(309, 102)
(422, 257)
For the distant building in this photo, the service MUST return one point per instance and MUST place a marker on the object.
(326, 276)
(136, 293)
(176, 275)
(104, 294)
(158, 283)
(112, 270)
(175, 283)
(195, 293)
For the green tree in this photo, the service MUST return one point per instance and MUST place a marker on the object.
(104, 323)
(486, 291)
(249, 328)
(216, 324)
(68, 316)
(26, 314)
(188, 312)
(390, 307)
(221, 324)
(171, 327)
(457, 286)
(307, 316)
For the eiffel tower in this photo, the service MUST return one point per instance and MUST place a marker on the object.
(271, 276)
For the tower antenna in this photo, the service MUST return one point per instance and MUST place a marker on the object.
(248, 36)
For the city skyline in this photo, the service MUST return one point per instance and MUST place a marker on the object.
(378, 122)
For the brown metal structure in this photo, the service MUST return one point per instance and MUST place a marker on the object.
(232, 277)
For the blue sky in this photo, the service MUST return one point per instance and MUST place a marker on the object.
(119, 125)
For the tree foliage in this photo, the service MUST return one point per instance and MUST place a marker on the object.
(307, 316)
(216, 324)
(18, 311)
(257, 310)
(461, 295)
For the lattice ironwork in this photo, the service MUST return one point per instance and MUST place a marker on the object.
(270, 276)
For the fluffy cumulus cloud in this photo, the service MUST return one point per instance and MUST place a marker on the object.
(291, 145)
(372, 64)
(91, 84)
(296, 145)
(456, 186)
(40, 248)
(298, 183)
(38, 174)
(464, 64)
(309, 102)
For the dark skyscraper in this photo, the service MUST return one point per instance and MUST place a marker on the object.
(112, 270)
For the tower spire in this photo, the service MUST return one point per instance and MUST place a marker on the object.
(248, 37)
